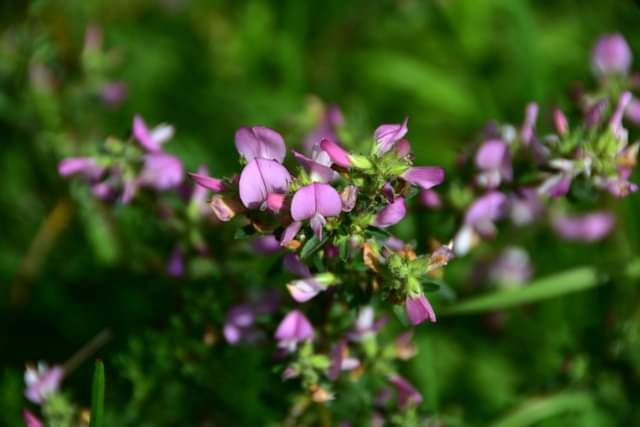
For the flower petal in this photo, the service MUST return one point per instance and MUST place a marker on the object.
(426, 177)
(213, 184)
(315, 198)
(260, 178)
(259, 142)
(386, 136)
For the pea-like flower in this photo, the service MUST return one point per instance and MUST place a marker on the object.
(493, 159)
(259, 179)
(419, 309)
(42, 381)
(293, 329)
(259, 142)
(315, 202)
(386, 136)
(391, 214)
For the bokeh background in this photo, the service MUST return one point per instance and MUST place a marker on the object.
(70, 267)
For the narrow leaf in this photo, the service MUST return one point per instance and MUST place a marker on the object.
(574, 280)
(536, 410)
(97, 396)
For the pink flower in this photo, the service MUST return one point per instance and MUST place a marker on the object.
(205, 181)
(386, 136)
(425, 177)
(294, 328)
(391, 214)
(42, 382)
(407, 394)
(315, 202)
(317, 170)
(611, 55)
(151, 139)
(419, 309)
(485, 210)
(493, 159)
(85, 166)
(161, 171)
(259, 142)
(587, 228)
(260, 178)
(30, 420)
(338, 155)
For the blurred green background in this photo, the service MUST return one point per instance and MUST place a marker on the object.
(70, 267)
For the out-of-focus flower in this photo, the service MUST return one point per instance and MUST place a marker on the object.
(259, 142)
(175, 264)
(151, 139)
(419, 309)
(293, 329)
(485, 210)
(161, 171)
(493, 159)
(512, 267)
(326, 129)
(240, 322)
(611, 55)
(85, 166)
(386, 136)
(391, 214)
(340, 361)
(205, 181)
(425, 177)
(366, 324)
(42, 381)
(407, 394)
(267, 244)
(30, 420)
(113, 93)
(260, 178)
(430, 199)
(587, 228)
(315, 202)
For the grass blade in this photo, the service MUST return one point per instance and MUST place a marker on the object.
(97, 396)
(574, 280)
(535, 410)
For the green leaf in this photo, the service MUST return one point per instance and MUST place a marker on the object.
(534, 411)
(312, 245)
(574, 280)
(97, 396)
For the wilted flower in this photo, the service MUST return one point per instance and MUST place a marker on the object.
(42, 381)
(294, 328)
(349, 196)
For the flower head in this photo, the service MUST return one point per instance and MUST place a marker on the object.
(386, 136)
(493, 159)
(259, 142)
(611, 55)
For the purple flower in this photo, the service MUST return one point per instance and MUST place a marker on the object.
(340, 361)
(403, 148)
(294, 328)
(407, 394)
(318, 171)
(615, 123)
(512, 267)
(267, 244)
(239, 324)
(556, 185)
(315, 202)
(485, 210)
(633, 111)
(493, 159)
(302, 290)
(292, 263)
(175, 264)
(525, 206)
(587, 228)
(419, 309)
(42, 382)
(425, 177)
(366, 324)
(594, 114)
(205, 181)
(161, 171)
(611, 55)
(30, 420)
(386, 136)
(391, 214)
(151, 140)
(528, 127)
(338, 155)
(85, 166)
(560, 122)
(260, 178)
(259, 142)
(113, 93)
(430, 199)
(326, 129)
